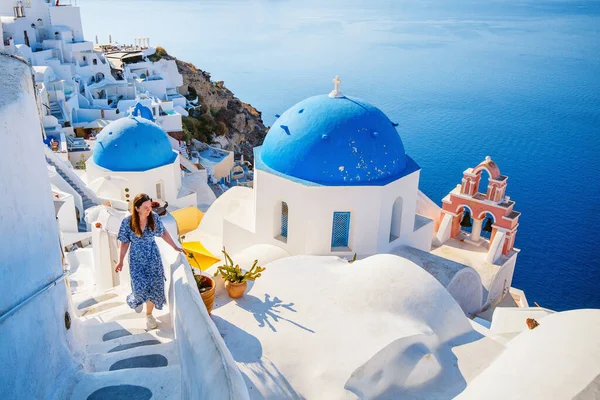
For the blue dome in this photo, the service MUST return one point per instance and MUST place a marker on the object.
(133, 144)
(335, 142)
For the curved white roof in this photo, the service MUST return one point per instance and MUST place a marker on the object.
(560, 359)
(234, 205)
(321, 328)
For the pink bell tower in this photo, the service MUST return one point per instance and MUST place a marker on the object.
(493, 203)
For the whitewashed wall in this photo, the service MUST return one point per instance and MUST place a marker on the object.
(167, 69)
(68, 16)
(311, 208)
(170, 123)
(145, 182)
(501, 283)
(223, 168)
(60, 183)
(67, 220)
(156, 87)
(35, 355)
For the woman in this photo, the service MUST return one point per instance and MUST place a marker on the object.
(147, 275)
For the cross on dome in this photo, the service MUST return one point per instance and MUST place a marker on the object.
(337, 82)
(335, 93)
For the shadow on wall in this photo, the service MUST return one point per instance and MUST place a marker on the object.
(413, 367)
(256, 369)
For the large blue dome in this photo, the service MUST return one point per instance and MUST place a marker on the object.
(339, 141)
(133, 144)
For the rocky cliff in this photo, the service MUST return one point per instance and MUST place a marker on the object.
(221, 117)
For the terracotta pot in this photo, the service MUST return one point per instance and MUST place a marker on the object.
(236, 289)
(208, 296)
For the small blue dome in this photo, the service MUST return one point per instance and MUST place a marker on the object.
(133, 144)
(335, 142)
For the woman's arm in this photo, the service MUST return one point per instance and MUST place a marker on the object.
(167, 238)
(122, 251)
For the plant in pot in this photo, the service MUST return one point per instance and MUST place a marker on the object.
(206, 287)
(236, 281)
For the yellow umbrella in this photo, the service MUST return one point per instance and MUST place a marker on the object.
(198, 256)
(187, 219)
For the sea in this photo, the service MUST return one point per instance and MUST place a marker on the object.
(517, 80)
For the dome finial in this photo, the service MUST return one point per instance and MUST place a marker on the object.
(335, 93)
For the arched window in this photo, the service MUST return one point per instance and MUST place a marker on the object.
(284, 219)
(396, 221)
(340, 229)
(95, 62)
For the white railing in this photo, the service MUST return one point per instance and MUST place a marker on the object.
(188, 164)
(208, 370)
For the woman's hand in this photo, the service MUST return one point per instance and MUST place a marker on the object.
(119, 266)
(178, 249)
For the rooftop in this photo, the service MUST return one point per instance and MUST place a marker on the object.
(294, 334)
(465, 253)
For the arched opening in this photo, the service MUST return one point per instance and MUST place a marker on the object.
(488, 220)
(466, 219)
(396, 222)
(99, 76)
(95, 62)
(484, 180)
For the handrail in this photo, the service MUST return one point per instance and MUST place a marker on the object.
(22, 304)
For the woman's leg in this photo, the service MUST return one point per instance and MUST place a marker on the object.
(149, 307)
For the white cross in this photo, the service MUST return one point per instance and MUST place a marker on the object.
(335, 93)
(336, 83)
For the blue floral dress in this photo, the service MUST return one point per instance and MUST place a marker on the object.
(145, 264)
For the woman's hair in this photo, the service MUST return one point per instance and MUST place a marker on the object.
(135, 216)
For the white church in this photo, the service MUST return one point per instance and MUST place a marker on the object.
(133, 155)
(332, 177)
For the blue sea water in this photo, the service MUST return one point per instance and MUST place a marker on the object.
(516, 80)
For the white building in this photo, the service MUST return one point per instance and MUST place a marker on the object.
(332, 177)
(74, 79)
(136, 154)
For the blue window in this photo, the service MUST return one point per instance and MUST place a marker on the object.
(341, 229)
(284, 219)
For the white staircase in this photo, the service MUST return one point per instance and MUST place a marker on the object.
(56, 112)
(87, 197)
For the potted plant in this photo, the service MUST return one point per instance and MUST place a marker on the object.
(236, 281)
(206, 287)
